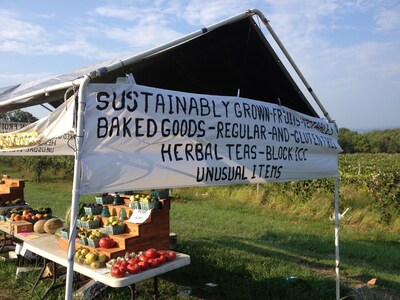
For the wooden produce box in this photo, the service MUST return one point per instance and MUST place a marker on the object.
(11, 189)
(110, 253)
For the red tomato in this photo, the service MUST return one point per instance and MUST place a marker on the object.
(106, 242)
(144, 265)
(162, 259)
(151, 253)
(134, 260)
(116, 272)
(123, 266)
(153, 263)
(171, 255)
(124, 263)
(122, 269)
(143, 257)
(117, 264)
(133, 268)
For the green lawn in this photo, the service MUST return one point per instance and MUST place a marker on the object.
(249, 243)
(247, 250)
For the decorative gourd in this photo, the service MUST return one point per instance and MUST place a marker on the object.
(52, 225)
(39, 226)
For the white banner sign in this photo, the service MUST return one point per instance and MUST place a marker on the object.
(52, 135)
(138, 137)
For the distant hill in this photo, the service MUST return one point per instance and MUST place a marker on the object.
(364, 130)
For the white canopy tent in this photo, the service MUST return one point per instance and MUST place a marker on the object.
(215, 107)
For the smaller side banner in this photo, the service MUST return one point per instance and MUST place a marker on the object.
(48, 136)
(138, 137)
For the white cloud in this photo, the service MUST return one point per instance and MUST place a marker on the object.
(12, 79)
(28, 38)
(142, 36)
(388, 20)
(15, 34)
(142, 27)
(200, 13)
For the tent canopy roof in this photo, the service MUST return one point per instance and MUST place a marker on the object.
(234, 56)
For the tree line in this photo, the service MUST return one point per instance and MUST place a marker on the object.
(376, 141)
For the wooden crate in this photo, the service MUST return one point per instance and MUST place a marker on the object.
(110, 253)
(11, 189)
(153, 233)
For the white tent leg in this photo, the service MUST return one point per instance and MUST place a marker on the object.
(75, 190)
(337, 259)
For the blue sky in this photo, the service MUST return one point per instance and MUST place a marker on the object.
(349, 51)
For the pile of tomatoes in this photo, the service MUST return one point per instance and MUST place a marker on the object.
(151, 258)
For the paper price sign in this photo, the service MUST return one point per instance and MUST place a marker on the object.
(139, 216)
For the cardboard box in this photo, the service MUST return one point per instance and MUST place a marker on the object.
(21, 226)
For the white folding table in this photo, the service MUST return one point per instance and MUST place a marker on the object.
(47, 248)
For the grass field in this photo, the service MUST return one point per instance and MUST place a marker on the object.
(248, 247)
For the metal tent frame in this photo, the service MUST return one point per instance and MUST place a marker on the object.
(82, 83)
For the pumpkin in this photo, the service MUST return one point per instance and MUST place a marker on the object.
(52, 225)
(39, 226)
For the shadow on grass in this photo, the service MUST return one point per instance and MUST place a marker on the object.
(238, 281)
(222, 260)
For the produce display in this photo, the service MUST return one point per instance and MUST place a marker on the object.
(16, 202)
(133, 263)
(89, 221)
(91, 258)
(90, 233)
(113, 221)
(27, 214)
(106, 242)
(85, 218)
(104, 199)
(144, 202)
(112, 239)
(90, 237)
(51, 226)
(93, 208)
(39, 226)
(119, 239)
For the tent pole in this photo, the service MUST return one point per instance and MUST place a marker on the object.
(291, 61)
(75, 188)
(337, 259)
